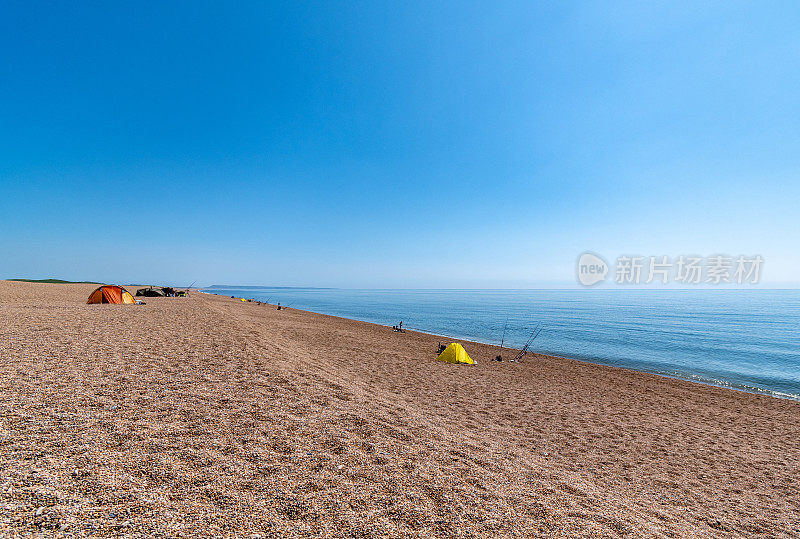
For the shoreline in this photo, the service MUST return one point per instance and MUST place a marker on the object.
(591, 361)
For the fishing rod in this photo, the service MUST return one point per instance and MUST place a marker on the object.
(525, 349)
(534, 335)
(502, 341)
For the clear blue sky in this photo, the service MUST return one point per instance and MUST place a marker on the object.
(403, 144)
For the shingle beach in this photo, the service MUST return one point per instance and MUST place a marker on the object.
(208, 416)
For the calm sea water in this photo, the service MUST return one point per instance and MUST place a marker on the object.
(744, 339)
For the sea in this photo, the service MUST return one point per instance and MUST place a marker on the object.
(742, 339)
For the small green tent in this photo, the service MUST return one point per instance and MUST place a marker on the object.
(151, 292)
(455, 353)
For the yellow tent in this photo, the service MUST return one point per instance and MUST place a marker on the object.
(455, 353)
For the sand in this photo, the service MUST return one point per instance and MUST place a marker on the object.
(208, 416)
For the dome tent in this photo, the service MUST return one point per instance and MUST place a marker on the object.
(151, 292)
(455, 353)
(111, 294)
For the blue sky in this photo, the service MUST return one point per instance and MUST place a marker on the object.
(409, 144)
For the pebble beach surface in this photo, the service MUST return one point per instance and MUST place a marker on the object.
(208, 416)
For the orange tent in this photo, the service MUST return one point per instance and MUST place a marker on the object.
(110, 294)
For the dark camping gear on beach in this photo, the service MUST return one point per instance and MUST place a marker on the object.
(151, 292)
